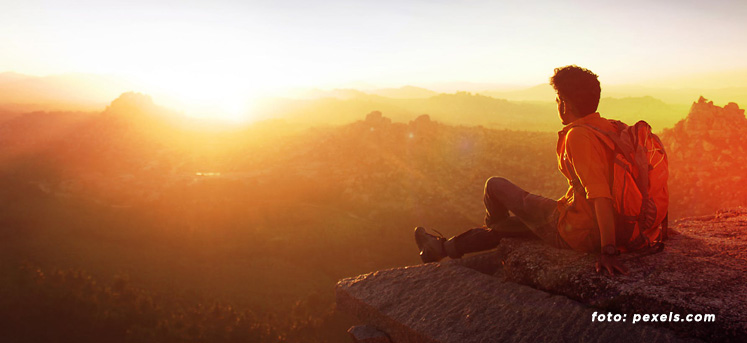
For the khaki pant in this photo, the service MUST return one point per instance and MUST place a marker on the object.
(509, 212)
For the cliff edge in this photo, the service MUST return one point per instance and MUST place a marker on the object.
(526, 291)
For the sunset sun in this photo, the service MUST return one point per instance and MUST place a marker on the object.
(219, 97)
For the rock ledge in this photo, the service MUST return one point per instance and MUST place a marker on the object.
(525, 291)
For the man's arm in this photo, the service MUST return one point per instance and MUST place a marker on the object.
(587, 154)
(605, 213)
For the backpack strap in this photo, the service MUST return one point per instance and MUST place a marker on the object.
(650, 250)
(628, 148)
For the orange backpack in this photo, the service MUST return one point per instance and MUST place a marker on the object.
(640, 170)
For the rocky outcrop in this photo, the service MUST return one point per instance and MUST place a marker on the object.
(707, 159)
(700, 271)
(526, 291)
(453, 303)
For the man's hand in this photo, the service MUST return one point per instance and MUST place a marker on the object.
(605, 212)
(611, 264)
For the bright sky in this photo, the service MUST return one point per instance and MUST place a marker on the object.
(223, 51)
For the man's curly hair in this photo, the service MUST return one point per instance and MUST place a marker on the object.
(579, 86)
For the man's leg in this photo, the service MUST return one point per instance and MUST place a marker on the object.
(532, 214)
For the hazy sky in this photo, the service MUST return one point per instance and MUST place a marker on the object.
(192, 46)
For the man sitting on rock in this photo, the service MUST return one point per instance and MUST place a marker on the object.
(583, 223)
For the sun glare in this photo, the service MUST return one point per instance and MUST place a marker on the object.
(207, 72)
(216, 97)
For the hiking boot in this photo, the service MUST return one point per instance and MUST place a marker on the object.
(431, 247)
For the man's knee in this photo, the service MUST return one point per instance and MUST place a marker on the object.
(496, 182)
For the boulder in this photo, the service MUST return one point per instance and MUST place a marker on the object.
(700, 271)
(451, 302)
(527, 291)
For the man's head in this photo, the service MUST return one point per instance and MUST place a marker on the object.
(578, 92)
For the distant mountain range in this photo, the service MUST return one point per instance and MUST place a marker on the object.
(519, 109)
(463, 108)
(68, 92)
(677, 96)
(406, 92)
